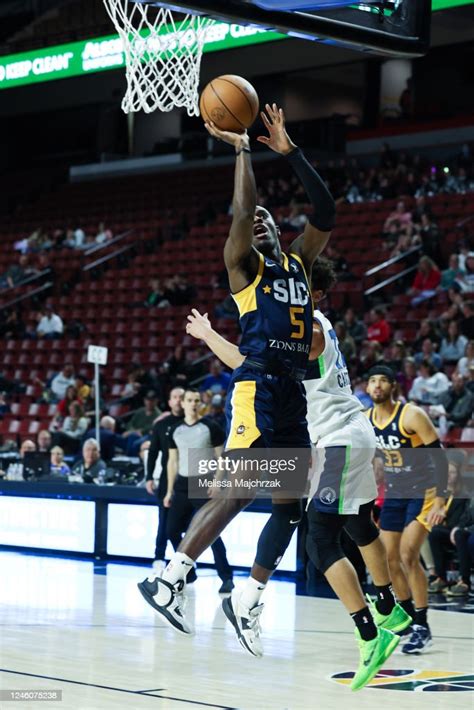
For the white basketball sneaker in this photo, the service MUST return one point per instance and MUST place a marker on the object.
(246, 623)
(167, 600)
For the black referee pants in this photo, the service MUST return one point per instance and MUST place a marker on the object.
(180, 515)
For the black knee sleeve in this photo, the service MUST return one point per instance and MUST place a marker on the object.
(323, 543)
(361, 527)
(277, 533)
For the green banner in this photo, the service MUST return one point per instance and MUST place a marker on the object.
(94, 55)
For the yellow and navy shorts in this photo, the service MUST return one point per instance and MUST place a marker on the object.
(397, 513)
(266, 411)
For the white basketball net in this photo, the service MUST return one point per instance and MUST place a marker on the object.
(162, 56)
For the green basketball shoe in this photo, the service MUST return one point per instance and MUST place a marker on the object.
(373, 655)
(396, 621)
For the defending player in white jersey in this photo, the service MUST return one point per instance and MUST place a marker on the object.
(343, 486)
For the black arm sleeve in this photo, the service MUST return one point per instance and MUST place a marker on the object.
(324, 215)
(153, 451)
(440, 462)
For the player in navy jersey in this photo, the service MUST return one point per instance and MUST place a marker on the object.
(266, 405)
(416, 474)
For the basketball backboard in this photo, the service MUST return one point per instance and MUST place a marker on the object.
(387, 27)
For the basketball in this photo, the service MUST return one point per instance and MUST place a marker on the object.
(230, 102)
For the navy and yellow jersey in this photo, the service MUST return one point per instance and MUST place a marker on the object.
(405, 467)
(276, 313)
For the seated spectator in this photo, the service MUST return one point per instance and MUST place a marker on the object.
(346, 342)
(404, 243)
(401, 217)
(466, 281)
(227, 309)
(88, 468)
(360, 391)
(142, 420)
(44, 441)
(379, 329)
(178, 291)
(439, 537)
(72, 430)
(5, 407)
(58, 465)
(178, 368)
(156, 296)
(340, 265)
(50, 324)
(428, 233)
(466, 324)
(17, 273)
(454, 309)
(464, 253)
(426, 281)
(426, 330)
(103, 235)
(62, 409)
(428, 353)
(12, 325)
(62, 381)
(370, 354)
(108, 439)
(454, 345)
(217, 380)
(429, 385)
(82, 388)
(462, 368)
(455, 406)
(216, 411)
(407, 376)
(452, 273)
(356, 328)
(397, 355)
(463, 538)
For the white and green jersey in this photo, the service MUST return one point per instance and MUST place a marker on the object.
(328, 387)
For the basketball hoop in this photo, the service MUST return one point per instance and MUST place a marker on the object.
(162, 55)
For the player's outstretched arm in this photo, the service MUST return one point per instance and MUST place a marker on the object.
(418, 422)
(199, 326)
(238, 247)
(311, 243)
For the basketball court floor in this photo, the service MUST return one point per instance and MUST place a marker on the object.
(83, 629)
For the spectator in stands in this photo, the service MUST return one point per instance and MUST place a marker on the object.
(156, 296)
(72, 430)
(341, 267)
(216, 410)
(360, 391)
(466, 324)
(4, 404)
(428, 233)
(401, 217)
(142, 420)
(79, 237)
(88, 468)
(396, 356)
(458, 404)
(439, 537)
(426, 281)
(450, 275)
(108, 439)
(103, 235)
(403, 244)
(466, 281)
(62, 409)
(227, 309)
(370, 354)
(379, 330)
(17, 273)
(429, 353)
(178, 291)
(62, 381)
(407, 376)
(454, 345)
(44, 440)
(58, 466)
(347, 345)
(426, 330)
(429, 385)
(463, 538)
(462, 368)
(356, 328)
(178, 368)
(50, 324)
(82, 388)
(217, 380)
(12, 326)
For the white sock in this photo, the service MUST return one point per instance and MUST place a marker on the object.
(253, 590)
(178, 567)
